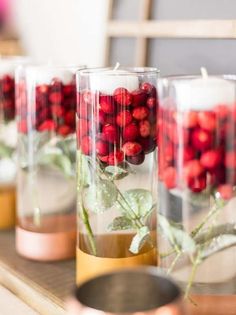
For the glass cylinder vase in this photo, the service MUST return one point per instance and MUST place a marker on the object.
(8, 140)
(116, 157)
(197, 184)
(46, 211)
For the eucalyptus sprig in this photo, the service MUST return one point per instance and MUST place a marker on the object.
(203, 241)
(101, 194)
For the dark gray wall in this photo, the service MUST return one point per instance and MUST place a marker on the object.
(185, 56)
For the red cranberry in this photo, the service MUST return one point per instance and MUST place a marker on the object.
(217, 176)
(202, 140)
(207, 121)
(84, 110)
(175, 134)
(110, 133)
(102, 148)
(144, 128)
(226, 191)
(197, 184)
(64, 130)
(122, 96)
(56, 97)
(68, 90)
(131, 148)
(230, 159)
(222, 111)
(115, 158)
(139, 97)
(101, 117)
(190, 120)
(107, 104)
(83, 127)
(22, 126)
(57, 111)
(123, 118)
(149, 89)
(188, 154)
(42, 89)
(70, 118)
(110, 119)
(169, 153)
(148, 144)
(137, 159)
(130, 132)
(140, 113)
(47, 125)
(7, 84)
(211, 159)
(169, 177)
(44, 114)
(86, 145)
(193, 169)
(104, 158)
(151, 102)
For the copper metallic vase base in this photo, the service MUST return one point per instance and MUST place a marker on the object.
(213, 305)
(45, 246)
(7, 207)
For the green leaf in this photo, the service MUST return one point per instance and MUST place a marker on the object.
(100, 196)
(139, 240)
(5, 151)
(84, 176)
(178, 238)
(120, 223)
(57, 160)
(218, 244)
(68, 147)
(139, 200)
(118, 172)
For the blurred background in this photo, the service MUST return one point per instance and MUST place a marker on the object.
(74, 31)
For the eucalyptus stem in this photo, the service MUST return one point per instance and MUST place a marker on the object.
(217, 206)
(85, 218)
(228, 228)
(196, 262)
(174, 262)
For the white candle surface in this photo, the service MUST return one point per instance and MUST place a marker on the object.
(9, 64)
(44, 75)
(204, 93)
(106, 82)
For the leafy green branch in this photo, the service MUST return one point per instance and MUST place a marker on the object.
(204, 241)
(102, 193)
(5, 151)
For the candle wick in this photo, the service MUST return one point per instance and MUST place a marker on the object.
(116, 66)
(204, 72)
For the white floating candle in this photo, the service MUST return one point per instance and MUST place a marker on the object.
(44, 75)
(204, 93)
(108, 80)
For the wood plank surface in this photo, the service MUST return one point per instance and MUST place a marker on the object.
(214, 29)
(43, 286)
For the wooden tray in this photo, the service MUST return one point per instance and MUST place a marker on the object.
(43, 286)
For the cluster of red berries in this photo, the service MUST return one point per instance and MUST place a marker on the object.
(55, 107)
(7, 97)
(124, 124)
(197, 149)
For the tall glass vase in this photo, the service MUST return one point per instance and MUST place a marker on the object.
(8, 139)
(116, 156)
(46, 211)
(197, 185)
